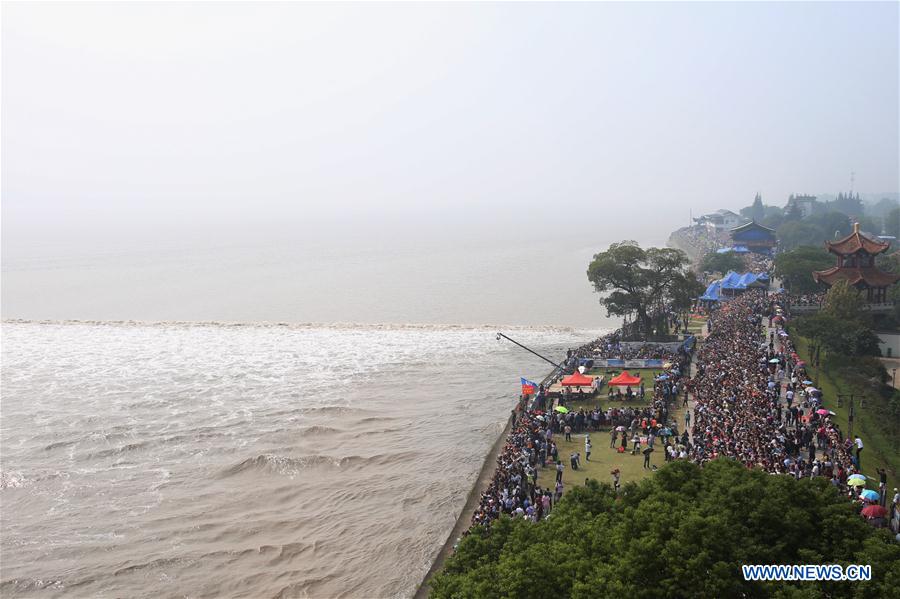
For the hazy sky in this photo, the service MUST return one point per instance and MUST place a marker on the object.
(135, 119)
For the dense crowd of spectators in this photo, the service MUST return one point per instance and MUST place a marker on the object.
(514, 489)
(739, 412)
(703, 239)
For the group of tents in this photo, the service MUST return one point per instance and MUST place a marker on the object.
(582, 380)
(733, 284)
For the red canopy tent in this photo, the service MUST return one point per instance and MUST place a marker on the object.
(577, 380)
(625, 380)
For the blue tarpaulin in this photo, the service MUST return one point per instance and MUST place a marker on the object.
(712, 292)
(732, 282)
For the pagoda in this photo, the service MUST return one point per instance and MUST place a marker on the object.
(856, 265)
(754, 237)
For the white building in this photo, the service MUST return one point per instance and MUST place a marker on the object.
(889, 344)
(720, 220)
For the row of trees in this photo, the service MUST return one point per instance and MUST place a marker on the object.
(843, 332)
(716, 262)
(637, 283)
(843, 326)
(827, 220)
(685, 532)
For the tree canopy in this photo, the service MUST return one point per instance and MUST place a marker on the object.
(716, 262)
(795, 267)
(683, 533)
(842, 326)
(633, 280)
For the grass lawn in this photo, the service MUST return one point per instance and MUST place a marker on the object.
(603, 458)
(879, 451)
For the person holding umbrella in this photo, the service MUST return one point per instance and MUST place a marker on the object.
(647, 451)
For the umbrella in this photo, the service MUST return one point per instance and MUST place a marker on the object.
(870, 495)
(662, 377)
(665, 432)
(874, 511)
(822, 412)
(774, 361)
(621, 429)
(856, 476)
(562, 409)
(807, 382)
(856, 482)
(812, 390)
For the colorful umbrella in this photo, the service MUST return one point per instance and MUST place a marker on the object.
(807, 382)
(774, 361)
(822, 412)
(870, 495)
(562, 409)
(874, 511)
(856, 482)
(666, 432)
(861, 477)
(621, 429)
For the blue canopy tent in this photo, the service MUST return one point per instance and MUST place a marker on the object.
(733, 284)
(712, 292)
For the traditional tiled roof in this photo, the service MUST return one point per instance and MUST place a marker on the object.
(869, 275)
(752, 225)
(855, 242)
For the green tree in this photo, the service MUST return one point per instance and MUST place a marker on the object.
(683, 533)
(794, 234)
(757, 210)
(795, 267)
(844, 302)
(892, 223)
(831, 223)
(839, 337)
(632, 280)
(716, 262)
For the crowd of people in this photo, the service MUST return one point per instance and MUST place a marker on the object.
(702, 239)
(515, 490)
(754, 402)
(807, 299)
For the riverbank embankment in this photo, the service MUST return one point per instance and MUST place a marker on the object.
(464, 521)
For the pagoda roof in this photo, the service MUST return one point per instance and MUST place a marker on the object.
(869, 275)
(855, 242)
(752, 225)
